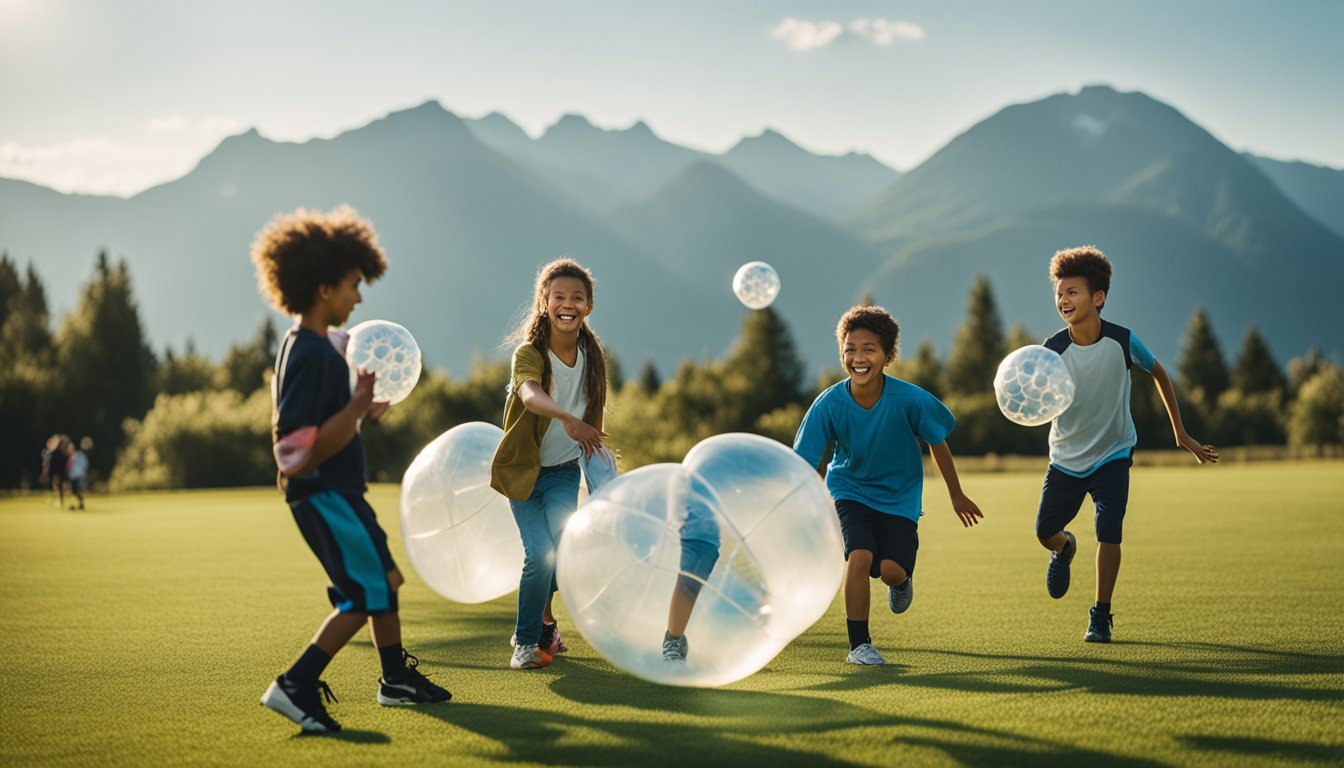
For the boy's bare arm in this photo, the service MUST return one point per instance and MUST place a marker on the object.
(1202, 451)
(339, 429)
(966, 510)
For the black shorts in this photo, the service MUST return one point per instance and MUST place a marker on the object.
(888, 537)
(343, 532)
(1062, 496)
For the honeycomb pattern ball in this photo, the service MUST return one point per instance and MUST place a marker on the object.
(458, 531)
(1033, 386)
(741, 537)
(756, 284)
(389, 352)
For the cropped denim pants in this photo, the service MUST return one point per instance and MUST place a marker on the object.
(541, 519)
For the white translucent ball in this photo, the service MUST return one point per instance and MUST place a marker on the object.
(756, 284)
(1033, 386)
(388, 351)
(458, 531)
(745, 519)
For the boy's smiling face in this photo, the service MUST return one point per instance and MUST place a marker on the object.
(1075, 303)
(863, 357)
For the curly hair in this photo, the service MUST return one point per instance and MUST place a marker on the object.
(297, 252)
(1085, 261)
(535, 330)
(870, 318)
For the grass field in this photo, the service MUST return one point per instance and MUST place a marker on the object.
(143, 630)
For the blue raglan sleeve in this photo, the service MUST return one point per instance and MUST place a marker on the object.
(815, 433)
(934, 422)
(1138, 352)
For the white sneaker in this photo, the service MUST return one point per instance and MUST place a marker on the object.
(866, 655)
(529, 657)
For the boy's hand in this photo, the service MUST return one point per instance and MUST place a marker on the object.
(966, 509)
(376, 411)
(1203, 452)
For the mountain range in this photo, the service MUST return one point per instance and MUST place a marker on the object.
(468, 209)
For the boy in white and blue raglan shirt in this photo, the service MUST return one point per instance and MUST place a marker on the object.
(876, 475)
(1092, 443)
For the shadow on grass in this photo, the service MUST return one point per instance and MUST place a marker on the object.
(1173, 669)
(1240, 746)
(347, 735)
(620, 720)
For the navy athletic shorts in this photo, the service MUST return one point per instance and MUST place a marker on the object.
(1062, 496)
(888, 537)
(343, 532)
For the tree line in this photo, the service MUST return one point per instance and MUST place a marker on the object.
(183, 420)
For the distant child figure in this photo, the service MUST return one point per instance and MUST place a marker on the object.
(1092, 443)
(309, 265)
(55, 467)
(876, 475)
(77, 467)
(559, 378)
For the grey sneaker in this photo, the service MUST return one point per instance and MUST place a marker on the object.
(865, 655)
(899, 598)
(529, 657)
(1057, 574)
(1099, 627)
(674, 648)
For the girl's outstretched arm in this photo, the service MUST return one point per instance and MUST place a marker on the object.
(536, 400)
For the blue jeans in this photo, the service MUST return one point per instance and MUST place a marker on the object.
(540, 520)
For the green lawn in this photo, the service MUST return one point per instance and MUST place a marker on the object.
(143, 631)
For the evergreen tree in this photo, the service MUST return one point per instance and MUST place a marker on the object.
(245, 365)
(105, 366)
(979, 345)
(1301, 369)
(29, 387)
(649, 380)
(1256, 371)
(1201, 369)
(190, 372)
(1318, 415)
(765, 364)
(924, 369)
(615, 372)
(1019, 337)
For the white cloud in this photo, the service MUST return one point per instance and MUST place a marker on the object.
(170, 124)
(806, 35)
(886, 31)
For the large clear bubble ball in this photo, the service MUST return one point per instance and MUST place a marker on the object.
(1033, 386)
(389, 351)
(458, 531)
(756, 284)
(738, 548)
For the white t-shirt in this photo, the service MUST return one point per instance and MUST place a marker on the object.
(567, 390)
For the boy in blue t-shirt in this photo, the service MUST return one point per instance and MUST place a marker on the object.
(1092, 443)
(309, 265)
(876, 475)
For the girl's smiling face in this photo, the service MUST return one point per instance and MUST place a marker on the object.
(567, 304)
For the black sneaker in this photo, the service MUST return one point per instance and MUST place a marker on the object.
(1099, 627)
(301, 704)
(412, 688)
(675, 648)
(1057, 575)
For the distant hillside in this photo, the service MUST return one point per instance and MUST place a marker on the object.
(468, 210)
(706, 222)
(1316, 190)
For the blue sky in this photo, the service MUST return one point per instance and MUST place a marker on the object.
(115, 96)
